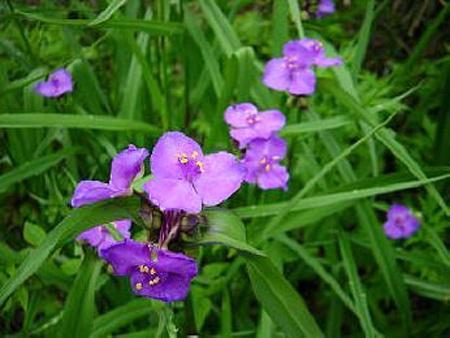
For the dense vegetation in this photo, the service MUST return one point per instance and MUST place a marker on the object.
(313, 260)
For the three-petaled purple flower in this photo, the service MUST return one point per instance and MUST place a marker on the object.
(184, 178)
(100, 238)
(293, 72)
(154, 273)
(126, 167)
(401, 222)
(248, 124)
(58, 83)
(262, 161)
(326, 7)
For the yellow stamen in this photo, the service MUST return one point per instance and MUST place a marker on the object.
(194, 154)
(183, 159)
(200, 165)
(138, 286)
(264, 160)
(152, 271)
(153, 281)
(267, 167)
(143, 268)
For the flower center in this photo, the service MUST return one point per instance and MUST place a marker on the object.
(267, 162)
(191, 165)
(150, 274)
(291, 62)
(252, 118)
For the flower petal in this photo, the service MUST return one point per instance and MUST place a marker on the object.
(276, 177)
(237, 115)
(269, 122)
(93, 236)
(174, 194)
(125, 256)
(88, 192)
(165, 156)
(222, 176)
(273, 147)
(62, 80)
(174, 262)
(45, 89)
(243, 136)
(277, 75)
(323, 61)
(303, 82)
(127, 166)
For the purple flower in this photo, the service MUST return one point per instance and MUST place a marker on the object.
(154, 273)
(401, 222)
(262, 162)
(248, 124)
(326, 7)
(293, 72)
(126, 167)
(58, 83)
(184, 178)
(99, 236)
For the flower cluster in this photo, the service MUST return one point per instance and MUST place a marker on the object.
(294, 71)
(256, 133)
(183, 180)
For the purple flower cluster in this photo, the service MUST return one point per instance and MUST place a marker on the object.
(183, 180)
(400, 223)
(255, 132)
(58, 83)
(294, 71)
(325, 7)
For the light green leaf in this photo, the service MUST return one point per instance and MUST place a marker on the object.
(107, 12)
(33, 233)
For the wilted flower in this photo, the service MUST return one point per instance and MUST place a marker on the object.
(401, 222)
(99, 236)
(154, 273)
(326, 7)
(126, 167)
(262, 163)
(184, 178)
(293, 72)
(58, 83)
(248, 124)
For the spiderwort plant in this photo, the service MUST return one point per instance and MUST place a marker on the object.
(248, 124)
(58, 83)
(401, 222)
(325, 7)
(294, 71)
(185, 179)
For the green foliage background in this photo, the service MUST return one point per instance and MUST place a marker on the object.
(310, 262)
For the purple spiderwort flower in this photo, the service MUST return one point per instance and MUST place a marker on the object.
(58, 83)
(99, 236)
(154, 273)
(293, 72)
(262, 162)
(326, 7)
(401, 222)
(184, 178)
(126, 167)
(248, 124)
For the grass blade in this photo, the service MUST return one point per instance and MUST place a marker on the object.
(107, 12)
(38, 120)
(284, 305)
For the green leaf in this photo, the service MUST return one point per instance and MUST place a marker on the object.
(359, 294)
(363, 38)
(77, 221)
(225, 228)
(279, 299)
(150, 27)
(228, 39)
(295, 14)
(107, 12)
(34, 167)
(315, 126)
(201, 306)
(33, 233)
(440, 292)
(38, 120)
(107, 323)
(79, 308)
(331, 199)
